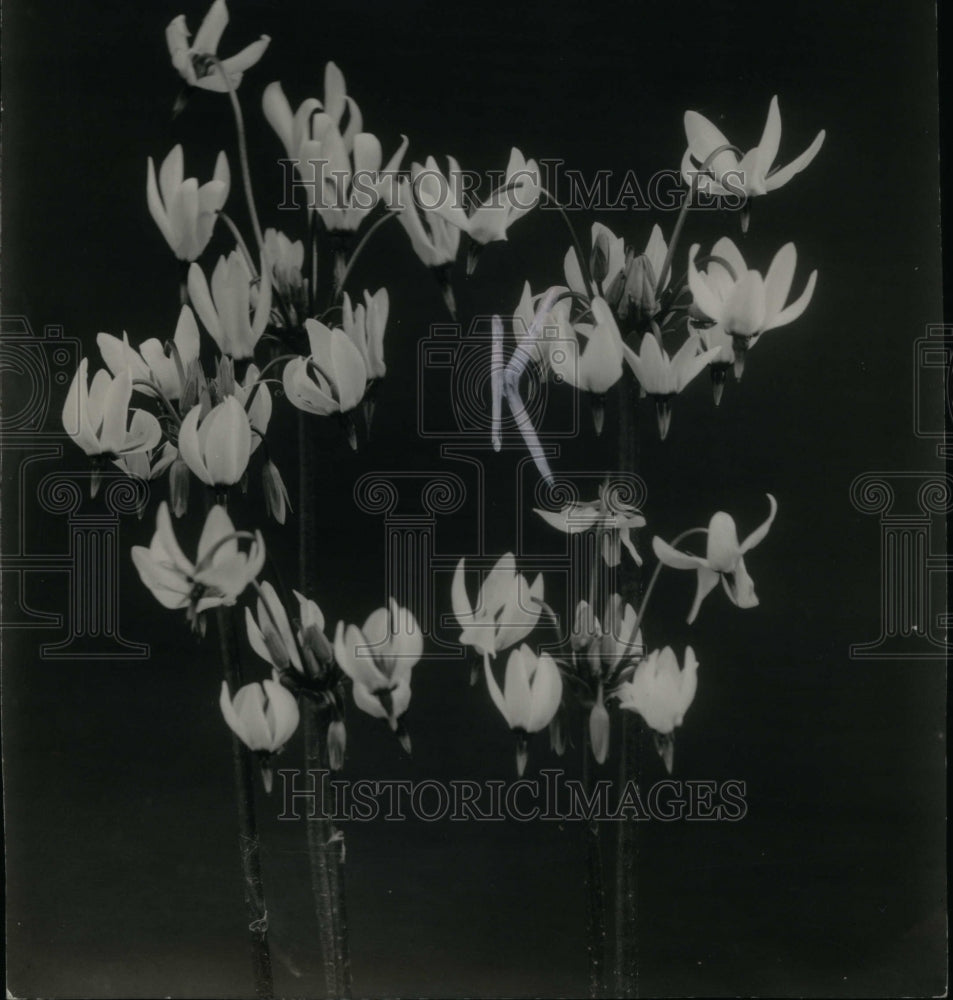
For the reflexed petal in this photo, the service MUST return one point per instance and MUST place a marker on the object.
(794, 310)
(758, 535)
(546, 694)
(707, 581)
(516, 688)
(780, 177)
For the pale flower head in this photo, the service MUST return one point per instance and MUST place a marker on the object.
(506, 610)
(220, 573)
(184, 211)
(597, 365)
(723, 559)
(332, 379)
(269, 631)
(263, 716)
(434, 239)
(217, 447)
(365, 325)
(225, 307)
(607, 259)
(197, 63)
(660, 691)
(753, 174)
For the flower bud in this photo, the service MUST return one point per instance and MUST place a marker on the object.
(599, 258)
(337, 743)
(634, 290)
(179, 487)
(277, 502)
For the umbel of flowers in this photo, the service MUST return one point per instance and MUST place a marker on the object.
(632, 315)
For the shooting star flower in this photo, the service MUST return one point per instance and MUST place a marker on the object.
(264, 717)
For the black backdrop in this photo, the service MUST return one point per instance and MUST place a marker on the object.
(121, 861)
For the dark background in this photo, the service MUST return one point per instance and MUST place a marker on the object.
(121, 861)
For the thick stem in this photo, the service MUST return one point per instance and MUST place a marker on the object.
(595, 883)
(626, 868)
(249, 845)
(326, 849)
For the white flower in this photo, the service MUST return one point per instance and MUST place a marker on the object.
(332, 379)
(752, 175)
(434, 240)
(661, 692)
(286, 260)
(263, 716)
(271, 636)
(151, 363)
(148, 465)
(218, 576)
(217, 448)
(663, 377)
(555, 336)
(312, 117)
(184, 212)
(195, 62)
(614, 520)
(489, 221)
(225, 310)
(611, 248)
(532, 691)
(96, 415)
(724, 560)
(379, 659)
(259, 412)
(365, 326)
(506, 611)
(744, 304)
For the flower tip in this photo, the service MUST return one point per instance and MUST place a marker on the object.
(718, 390)
(267, 776)
(598, 413)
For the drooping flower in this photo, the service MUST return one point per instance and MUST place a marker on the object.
(532, 691)
(151, 363)
(264, 717)
(185, 212)
(365, 325)
(752, 175)
(379, 659)
(723, 560)
(148, 465)
(255, 397)
(225, 309)
(609, 515)
(661, 693)
(96, 416)
(217, 447)
(218, 576)
(506, 610)
(597, 366)
(555, 332)
(198, 63)
(663, 377)
(518, 194)
(332, 379)
(746, 305)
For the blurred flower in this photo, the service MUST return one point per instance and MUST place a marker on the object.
(605, 261)
(663, 377)
(96, 416)
(184, 212)
(724, 560)
(151, 363)
(332, 379)
(752, 174)
(532, 691)
(379, 658)
(746, 305)
(217, 447)
(555, 330)
(148, 465)
(286, 259)
(277, 501)
(219, 575)
(599, 729)
(661, 692)
(337, 744)
(316, 649)
(196, 63)
(225, 310)
(607, 645)
(260, 405)
(364, 325)
(506, 611)
(179, 485)
(609, 515)
(263, 716)
(489, 221)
